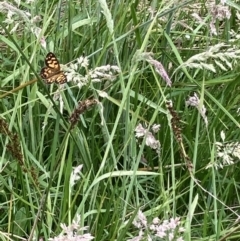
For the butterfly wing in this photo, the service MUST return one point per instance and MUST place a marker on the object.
(51, 62)
(60, 78)
(52, 73)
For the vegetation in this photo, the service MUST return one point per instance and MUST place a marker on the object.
(136, 137)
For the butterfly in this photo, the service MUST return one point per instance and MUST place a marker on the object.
(52, 73)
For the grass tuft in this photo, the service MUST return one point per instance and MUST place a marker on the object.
(141, 142)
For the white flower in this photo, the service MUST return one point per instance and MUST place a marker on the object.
(222, 134)
(140, 131)
(156, 128)
(75, 175)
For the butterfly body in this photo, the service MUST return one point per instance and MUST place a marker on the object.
(52, 72)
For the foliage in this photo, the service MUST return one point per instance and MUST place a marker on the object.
(146, 127)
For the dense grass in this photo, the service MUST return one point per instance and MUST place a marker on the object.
(151, 43)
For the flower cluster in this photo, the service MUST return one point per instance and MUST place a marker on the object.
(72, 232)
(226, 153)
(150, 139)
(106, 72)
(219, 55)
(17, 19)
(219, 12)
(165, 230)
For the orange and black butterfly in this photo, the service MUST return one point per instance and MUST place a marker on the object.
(52, 72)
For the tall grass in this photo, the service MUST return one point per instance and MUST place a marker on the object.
(141, 143)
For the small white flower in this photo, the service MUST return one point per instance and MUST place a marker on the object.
(156, 221)
(171, 236)
(73, 66)
(43, 42)
(83, 61)
(75, 175)
(72, 231)
(181, 229)
(174, 222)
(222, 134)
(156, 128)
(140, 131)
(161, 234)
(151, 141)
(103, 94)
(8, 21)
(14, 29)
(142, 218)
(36, 19)
(116, 68)
(193, 100)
